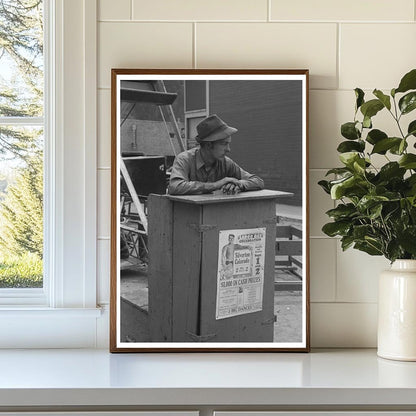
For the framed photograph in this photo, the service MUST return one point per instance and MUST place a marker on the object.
(209, 213)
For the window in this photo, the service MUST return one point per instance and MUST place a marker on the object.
(63, 313)
(22, 128)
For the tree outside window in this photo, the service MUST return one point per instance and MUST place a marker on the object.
(21, 143)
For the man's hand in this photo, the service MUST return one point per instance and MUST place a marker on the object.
(228, 185)
(231, 188)
(227, 181)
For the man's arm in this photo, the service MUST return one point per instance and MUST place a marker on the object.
(180, 183)
(246, 181)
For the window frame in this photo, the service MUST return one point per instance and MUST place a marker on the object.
(70, 171)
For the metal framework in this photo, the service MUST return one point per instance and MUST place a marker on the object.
(133, 223)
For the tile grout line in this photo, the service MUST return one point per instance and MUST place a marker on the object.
(352, 302)
(306, 22)
(336, 270)
(194, 62)
(131, 9)
(269, 11)
(338, 64)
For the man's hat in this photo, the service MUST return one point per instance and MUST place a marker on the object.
(212, 129)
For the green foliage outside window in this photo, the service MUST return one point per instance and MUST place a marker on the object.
(21, 147)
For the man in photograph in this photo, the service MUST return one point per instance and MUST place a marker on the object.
(206, 168)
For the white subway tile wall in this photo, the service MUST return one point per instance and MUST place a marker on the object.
(338, 325)
(104, 202)
(342, 10)
(114, 10)
(104, 128)
(270, 45)
(142, 45)
(103, 270)
(367, 50)
(357, 275)
(344, 44)
(323, 267)
(200, 10)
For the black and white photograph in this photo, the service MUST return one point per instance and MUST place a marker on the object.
(209, 215)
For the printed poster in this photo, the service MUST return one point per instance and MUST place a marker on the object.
(240, 272)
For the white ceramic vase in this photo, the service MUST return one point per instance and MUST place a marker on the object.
(397, 312)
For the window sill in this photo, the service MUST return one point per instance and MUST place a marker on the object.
(35, 312)
(37, 327)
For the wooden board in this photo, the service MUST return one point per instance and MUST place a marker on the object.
(288, 247)
(186, 272)
(160, 268)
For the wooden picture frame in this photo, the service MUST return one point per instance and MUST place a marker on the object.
(209, 272)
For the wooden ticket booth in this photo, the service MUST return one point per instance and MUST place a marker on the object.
(211, 267)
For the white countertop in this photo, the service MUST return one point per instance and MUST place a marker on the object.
(96, 377)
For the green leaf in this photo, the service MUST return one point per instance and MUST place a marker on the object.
(349, 131)
(368, 201)
(336, 228)
(411, 180)
(408, 161)
(375, 136)
(391, 170)
(408, 102)
(385, 144)
(359, 165)
(371, 108)
(359, 94)
(348, 158)
(408, 82)
(349, 146)
(342, 211)
(325, 186)
(367, 122)
(393, 250)
(346, 242)
(399, 148)
(375, 211)
(407, 239)
(385, 99)
(411, 130)
(368, 248)
(361, 231)
(338, 171)
(402, 147)
(338, 189)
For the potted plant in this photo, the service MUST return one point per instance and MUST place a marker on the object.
(376, 209)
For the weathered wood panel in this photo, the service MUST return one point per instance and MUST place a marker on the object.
(160, 267)
(289, 247)
(186, 271)
(288, 231)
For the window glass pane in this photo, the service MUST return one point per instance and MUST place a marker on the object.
(21, 211)
(195, 95)
(21, 58)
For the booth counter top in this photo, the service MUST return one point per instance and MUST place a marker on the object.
(218, 197)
